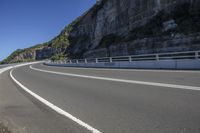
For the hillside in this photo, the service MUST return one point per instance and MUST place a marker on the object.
(46, 50)
(125, 27)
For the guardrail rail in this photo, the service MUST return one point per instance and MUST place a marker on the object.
(134, 58)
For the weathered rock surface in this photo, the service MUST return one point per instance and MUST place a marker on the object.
(24, 56)
(176, 43)
(109, 23)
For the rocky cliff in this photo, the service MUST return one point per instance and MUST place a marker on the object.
(124, 27)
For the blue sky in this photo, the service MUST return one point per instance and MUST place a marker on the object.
(24, 23)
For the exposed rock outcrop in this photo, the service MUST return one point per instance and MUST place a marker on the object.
(27, 55)
(112, 26)
(165, 44)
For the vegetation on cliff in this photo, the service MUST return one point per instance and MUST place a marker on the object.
(61, 41)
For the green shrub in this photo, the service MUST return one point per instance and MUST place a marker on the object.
(58, 57)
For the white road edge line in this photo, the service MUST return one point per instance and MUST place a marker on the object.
(121, 80)
(55, 108)
(18, 65)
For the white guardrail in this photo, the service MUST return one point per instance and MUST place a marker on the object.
(173, 60)
(135, 58)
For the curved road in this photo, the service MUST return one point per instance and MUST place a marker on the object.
(109, 100)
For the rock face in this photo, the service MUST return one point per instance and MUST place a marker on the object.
(177, 43)
(109, 23)
(19, 56)
(28, 55)
(44, 53)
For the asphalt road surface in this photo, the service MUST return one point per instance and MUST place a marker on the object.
(108, 100)
(3, 66)
(7, 65)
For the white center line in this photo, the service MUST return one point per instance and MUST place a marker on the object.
(54, 107)
(121, 80)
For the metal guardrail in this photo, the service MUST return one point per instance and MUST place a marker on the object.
(134, 58)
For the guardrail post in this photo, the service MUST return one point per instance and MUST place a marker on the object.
(157, 57)
(76, 61)
(70, 61)
(130, 59)
(96, 60)
(111, 60)
(196, 55)
(85, 61)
